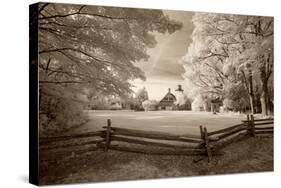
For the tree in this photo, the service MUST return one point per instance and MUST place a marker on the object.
(94, 47)
(150, 105)
(141, 96)
(97, 45)
(228, 50)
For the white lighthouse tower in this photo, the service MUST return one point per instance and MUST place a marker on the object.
(179, 96)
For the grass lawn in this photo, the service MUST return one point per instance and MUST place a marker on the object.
(178, 122)
(249, 155)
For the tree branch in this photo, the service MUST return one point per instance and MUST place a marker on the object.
(43, 7)
(62, 82)
(212, 55)
(83, 13)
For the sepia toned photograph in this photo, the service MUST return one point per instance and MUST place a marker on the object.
(132, 94)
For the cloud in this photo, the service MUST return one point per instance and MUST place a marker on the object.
(162, 69)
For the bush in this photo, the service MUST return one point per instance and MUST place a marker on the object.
(198, 104)
(59, 111)
(139, 108)
(149, 105)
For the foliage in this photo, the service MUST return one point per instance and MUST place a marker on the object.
(149, 105)
(198, 103)
(230, 51)
(94, 47)
(141, 96)
(97, 46)
(59, 110)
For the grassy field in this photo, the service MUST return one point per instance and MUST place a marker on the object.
(178, 122)
(248, 155)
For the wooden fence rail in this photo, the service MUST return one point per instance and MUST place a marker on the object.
(154, 151)
(224, 130)
(92, 142)
(50, 139)
(150, 143)
(264, 128)
(206, 144)
(154, 135)
(256, 120)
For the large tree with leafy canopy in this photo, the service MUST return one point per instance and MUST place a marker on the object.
(84, 48)
(230, 51)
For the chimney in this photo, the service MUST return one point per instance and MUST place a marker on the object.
(169, 90)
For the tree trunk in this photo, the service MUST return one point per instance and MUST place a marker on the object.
(270, 102)
(251, 93)
(252, 104)
(264, 87)
(264, 97)
(258, 102)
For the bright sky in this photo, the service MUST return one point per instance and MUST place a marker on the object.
(162, 70)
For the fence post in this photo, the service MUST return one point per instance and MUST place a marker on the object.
(201, 132)
(248, 124)
(207, 145)
(253, 131)
(108, 130)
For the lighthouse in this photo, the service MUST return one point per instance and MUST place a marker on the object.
(179, 96)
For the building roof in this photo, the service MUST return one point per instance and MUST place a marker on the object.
(168, 99)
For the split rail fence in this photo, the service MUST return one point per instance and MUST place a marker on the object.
(153, 142)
